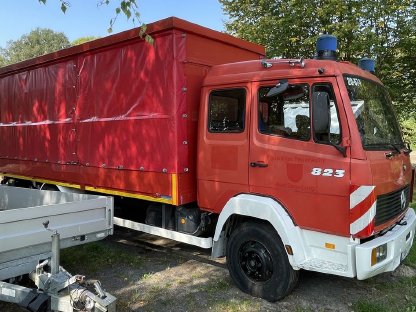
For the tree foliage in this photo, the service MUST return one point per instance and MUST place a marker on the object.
(409, 130)
(2, 60)
(129, 8)
(82, 40)
(38, 42)
(381, 29)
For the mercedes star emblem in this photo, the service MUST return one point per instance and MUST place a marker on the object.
(403, 200)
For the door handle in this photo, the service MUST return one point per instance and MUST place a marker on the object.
(258, 164)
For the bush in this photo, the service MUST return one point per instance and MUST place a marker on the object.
(409, 131)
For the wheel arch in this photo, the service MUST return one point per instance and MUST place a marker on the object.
(245, 207)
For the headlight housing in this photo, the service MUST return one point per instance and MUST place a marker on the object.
(378, 254)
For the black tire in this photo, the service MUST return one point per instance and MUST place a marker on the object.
(258, 263)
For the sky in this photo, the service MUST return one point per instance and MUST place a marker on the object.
(86, 18)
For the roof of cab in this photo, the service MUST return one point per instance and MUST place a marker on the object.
(281, 68)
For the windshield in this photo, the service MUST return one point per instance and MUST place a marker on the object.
(374, 114)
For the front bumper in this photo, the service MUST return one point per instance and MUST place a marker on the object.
(399, 241)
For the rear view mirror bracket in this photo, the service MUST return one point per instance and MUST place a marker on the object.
(280, 87)
(322, 118)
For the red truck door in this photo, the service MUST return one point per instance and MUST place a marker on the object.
(223, 146)
(294, 165)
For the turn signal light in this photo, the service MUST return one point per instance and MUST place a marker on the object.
(289, 250)
(329, 246)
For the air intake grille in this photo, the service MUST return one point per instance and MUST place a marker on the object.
(392, 204)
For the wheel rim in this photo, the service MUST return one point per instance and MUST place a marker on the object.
(255, 261)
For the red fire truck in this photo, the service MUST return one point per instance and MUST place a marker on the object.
(277, 164)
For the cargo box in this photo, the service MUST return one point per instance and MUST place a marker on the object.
(116, 115)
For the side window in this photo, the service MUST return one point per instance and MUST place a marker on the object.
(285, 114)
(334, 134)
(227, 111)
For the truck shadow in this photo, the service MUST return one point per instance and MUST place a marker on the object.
(147, 273)
(179, 277)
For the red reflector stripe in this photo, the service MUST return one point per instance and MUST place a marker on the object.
(362, 210)
(362, 207)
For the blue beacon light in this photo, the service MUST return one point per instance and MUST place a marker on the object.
(367, 64)
(326, 48)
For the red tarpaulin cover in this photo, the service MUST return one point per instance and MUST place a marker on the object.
(113, 108)
(116, 113)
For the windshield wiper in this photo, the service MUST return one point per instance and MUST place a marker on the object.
(392, 146)
(396, 147)
(393, 153)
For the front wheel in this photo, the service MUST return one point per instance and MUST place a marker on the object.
(258, 262)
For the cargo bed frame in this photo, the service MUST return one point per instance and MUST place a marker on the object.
(29, 220)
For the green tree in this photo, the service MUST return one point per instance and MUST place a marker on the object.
(38, 42)
(82, 40)
(381, 29)
(2, 60)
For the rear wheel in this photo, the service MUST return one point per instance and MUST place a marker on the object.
(258, 262)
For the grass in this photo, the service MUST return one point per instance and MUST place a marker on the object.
(364, 305)
(93, 257)
(397, 295)
(383, 297)
(234, 305)
(146, 276)
(215, 286)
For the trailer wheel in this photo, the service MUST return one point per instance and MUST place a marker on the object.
(258, 263)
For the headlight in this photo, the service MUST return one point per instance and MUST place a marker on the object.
(378, 254)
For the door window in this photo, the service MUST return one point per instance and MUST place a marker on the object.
(227, 111)
(285, 114)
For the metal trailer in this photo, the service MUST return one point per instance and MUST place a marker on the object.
(29, 220)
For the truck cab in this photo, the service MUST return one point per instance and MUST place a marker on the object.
(313, 148)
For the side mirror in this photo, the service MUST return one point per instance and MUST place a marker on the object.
(280, 87)
(321, 112)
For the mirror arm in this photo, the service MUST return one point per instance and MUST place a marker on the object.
(339, 148)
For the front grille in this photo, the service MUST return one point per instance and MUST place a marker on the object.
(392, 204)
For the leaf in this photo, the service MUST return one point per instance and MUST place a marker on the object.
(63, 7)
(42, 1)
(118, 10)
(110, 30)
(133, 2)
(142, 30)
(149, 39)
